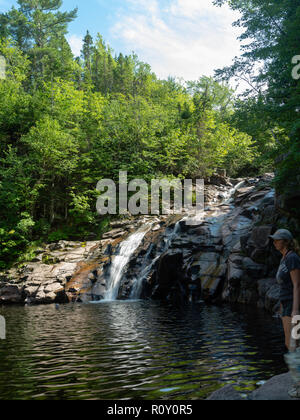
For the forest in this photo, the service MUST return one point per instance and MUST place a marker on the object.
(67, 122)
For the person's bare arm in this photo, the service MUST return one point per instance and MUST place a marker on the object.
(295, 275)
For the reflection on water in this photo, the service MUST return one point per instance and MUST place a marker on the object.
(135, 350)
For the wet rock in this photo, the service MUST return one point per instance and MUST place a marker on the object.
(210, 286)
(98, 291)
(235, 274)
(168, 277)
(272, 298)
(259, 255)
(264, 285)
(237, 249)
(276, 389)
(247, 295)
(11, 294)
(260, 236)
(253, 269)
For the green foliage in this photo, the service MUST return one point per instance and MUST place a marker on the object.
(80, 209)
(271, 112)
(58, 235)
(66, 123)
(288, 175)
(14, 241)
(38, 27)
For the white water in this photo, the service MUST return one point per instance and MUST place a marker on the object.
(228, 196)
(138, 283)
(215, 209)
(127, 248)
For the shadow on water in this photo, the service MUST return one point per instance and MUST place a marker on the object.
(136, 350)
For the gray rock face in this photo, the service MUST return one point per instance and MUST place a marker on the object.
(10, 293)
(275, 389)
(225, 256)
(64, 271)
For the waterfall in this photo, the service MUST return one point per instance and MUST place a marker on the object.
(138, 283)
(127, 248)
(228, 198)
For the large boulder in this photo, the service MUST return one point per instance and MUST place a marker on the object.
(275, 389)
(11, 293)
(169, 284)
(253, 269)
(260, 236)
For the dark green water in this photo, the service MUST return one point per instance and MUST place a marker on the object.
(136, 350)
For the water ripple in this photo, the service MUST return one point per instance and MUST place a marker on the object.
(135, 350)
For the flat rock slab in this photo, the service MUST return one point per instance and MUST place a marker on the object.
(276, 389)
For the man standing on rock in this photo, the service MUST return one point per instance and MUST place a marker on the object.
(288, 277)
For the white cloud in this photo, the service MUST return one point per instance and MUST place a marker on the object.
(183, 38)
(75, 42)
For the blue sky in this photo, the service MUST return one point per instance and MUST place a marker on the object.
(180, 38)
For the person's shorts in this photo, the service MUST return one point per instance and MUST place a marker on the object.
(287, 308)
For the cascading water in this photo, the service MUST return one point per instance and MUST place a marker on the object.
(213, 216)
(127, 248)
(228, 196)
(138, 283)
(213, 210)
(218, 215)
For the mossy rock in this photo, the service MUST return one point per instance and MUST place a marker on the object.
(49, 259)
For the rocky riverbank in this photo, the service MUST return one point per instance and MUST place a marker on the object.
(275, 389)
(61, 270)
(227, 256)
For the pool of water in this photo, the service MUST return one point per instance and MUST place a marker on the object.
(136, 350)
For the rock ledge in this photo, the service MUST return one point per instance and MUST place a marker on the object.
(275, 389)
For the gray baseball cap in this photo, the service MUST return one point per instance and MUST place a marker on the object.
(282, 234)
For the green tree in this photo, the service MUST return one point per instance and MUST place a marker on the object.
(87, 52)
(32, 26)
(53, 161)
(272, 29)
(103, 67)
(15, 105)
